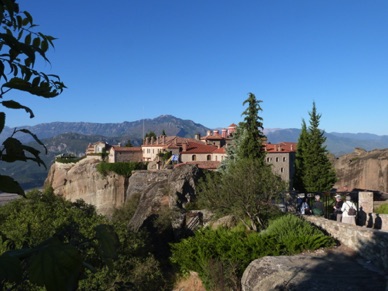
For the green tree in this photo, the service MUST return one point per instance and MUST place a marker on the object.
(249, 136)
(164, 133)
(299, 158)
(315, 170)
(21, 47)
(251, 133)
(151, 134)
(128, 144)
(247, 190)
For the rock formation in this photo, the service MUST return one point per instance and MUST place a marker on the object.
(363, 170)
(169, 188)
(332, 270)
(81, 180)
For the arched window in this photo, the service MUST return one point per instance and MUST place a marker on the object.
(193, 157)
(277, 159)
(284, 159)
(209, 157)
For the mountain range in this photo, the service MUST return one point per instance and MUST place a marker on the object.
(73, 137)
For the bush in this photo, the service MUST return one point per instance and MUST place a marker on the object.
(123, 168)
(382, 209)
(44, 218)
(221, 256)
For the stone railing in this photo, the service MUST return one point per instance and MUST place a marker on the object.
(371, 244)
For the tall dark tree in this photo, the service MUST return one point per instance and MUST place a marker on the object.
(299, 158)
(316, 172)
(251, 131)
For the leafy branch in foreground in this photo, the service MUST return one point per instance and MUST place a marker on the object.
(20, 47)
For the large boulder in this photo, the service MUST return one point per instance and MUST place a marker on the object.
(318, 271)
(81, 180)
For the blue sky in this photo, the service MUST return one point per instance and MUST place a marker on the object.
(199, 59)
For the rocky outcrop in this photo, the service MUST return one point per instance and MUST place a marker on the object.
(333, 270)
(363, 170)
(81, 180)
(169, 188)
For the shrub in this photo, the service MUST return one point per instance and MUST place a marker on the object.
(122, 168)
(221, 256)
(382, 209)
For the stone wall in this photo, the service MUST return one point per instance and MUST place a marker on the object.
(369, 243)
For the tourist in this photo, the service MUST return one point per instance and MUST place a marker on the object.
(337, 207)
(349, 211)
(305, 208)
(318, 206)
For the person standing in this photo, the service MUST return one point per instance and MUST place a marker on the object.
(318, 206)
(337, 208)
(349, 210)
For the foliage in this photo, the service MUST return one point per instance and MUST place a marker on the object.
(21, 47)
(128, 144)
(314, 171)
(247, 191)
(122, 168)
(251, 143)
(54, 237)
(297, 235)
(165, 155)
(69, 159)
(220, 256)
(382, 209)
(46, 240)
(150, 135)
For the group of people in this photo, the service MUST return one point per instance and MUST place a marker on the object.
(343, 211)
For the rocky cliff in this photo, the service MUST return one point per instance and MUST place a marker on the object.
(82, 181)
(170, 188)
(363, 170)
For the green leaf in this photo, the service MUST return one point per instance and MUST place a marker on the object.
(27, 40)
(13, 150)
(9, 185)
(107, 242)
(55, 265)
(36, 42)
(2, 121)
(16, 105)
(10, 268)
(35, 137)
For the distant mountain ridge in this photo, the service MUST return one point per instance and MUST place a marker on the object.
(73, 137)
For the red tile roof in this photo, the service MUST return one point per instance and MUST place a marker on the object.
(285, 147)
(126, 149)
(199, 148)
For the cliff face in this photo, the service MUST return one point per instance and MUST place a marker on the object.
(82, 181)
(168, 188)
(363, 169)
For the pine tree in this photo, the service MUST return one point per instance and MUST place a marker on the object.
(314, 169)
(251, 131)
(299, 158)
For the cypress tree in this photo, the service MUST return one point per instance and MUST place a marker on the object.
(251, 131)
(299, 158)
(315, 170)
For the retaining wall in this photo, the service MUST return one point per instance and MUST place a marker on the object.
(369, 243)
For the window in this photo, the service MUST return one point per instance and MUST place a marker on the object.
(277, 159)
(209, 157)
(193, 157)
(268, 160)
(284, 159)
(282, 170)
